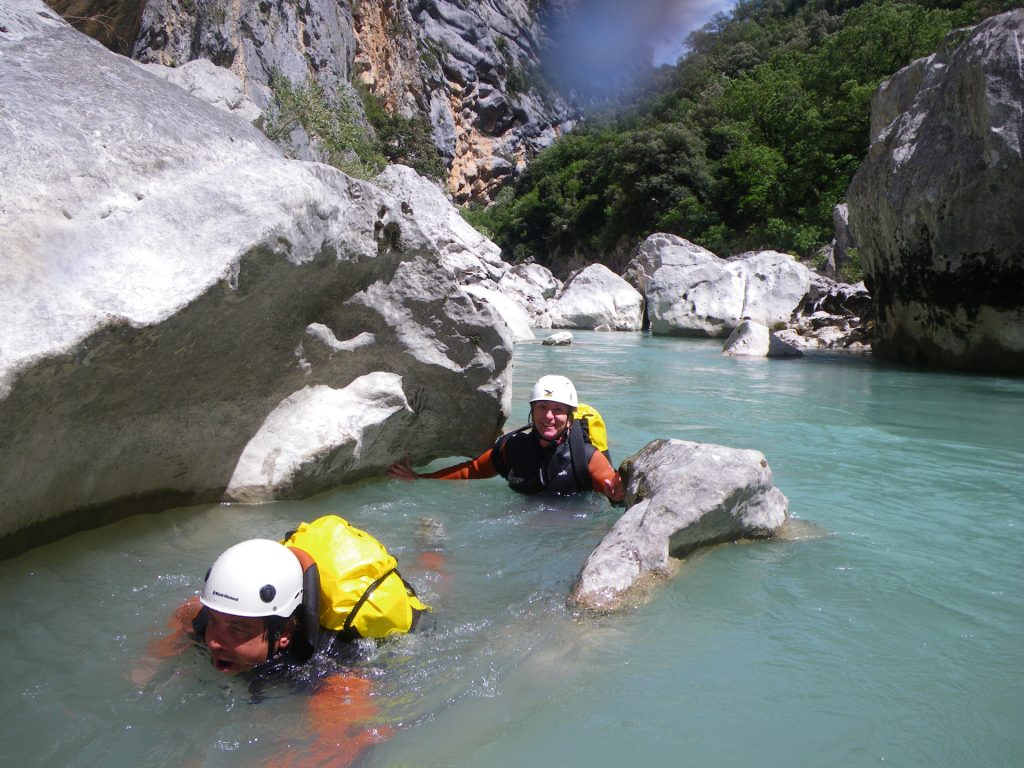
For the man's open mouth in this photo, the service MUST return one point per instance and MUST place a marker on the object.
(223, 665)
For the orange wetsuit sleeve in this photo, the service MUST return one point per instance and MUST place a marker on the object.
(600, 470)
(174, 642)
(342, 714)
(180, 625)
(474, 469)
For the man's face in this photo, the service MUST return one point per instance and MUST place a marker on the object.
(237, 643)
(549, 419)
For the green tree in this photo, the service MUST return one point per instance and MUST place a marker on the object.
(749, 143)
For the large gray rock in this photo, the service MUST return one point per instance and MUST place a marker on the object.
(176, 294)
(472, 258)
(427, 202)
(595, 296)
(679, 496)
(513, 314)
(692, 292)
(937, 208)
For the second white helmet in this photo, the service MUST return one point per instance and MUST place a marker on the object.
(255, 578)
(557, 389)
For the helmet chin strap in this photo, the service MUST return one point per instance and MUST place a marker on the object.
(275, 627)
(271, 643)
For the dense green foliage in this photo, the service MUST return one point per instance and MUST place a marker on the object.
(360, 147)
(405, 140)
(749, 142)
(332, 123)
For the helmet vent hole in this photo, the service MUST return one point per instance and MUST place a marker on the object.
(267, 593)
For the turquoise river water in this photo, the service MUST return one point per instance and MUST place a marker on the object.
(894, 634)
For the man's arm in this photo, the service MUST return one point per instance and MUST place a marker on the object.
(171, 644)
(475, 469)
(341, 712)
(604, 479)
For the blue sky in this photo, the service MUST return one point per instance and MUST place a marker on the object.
(603, 41)
(682, 18)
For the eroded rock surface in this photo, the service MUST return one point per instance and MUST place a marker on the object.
(596, 298)
(680, 496)
(937, 208)
(692, 292)
(472, 70)
(175, 290)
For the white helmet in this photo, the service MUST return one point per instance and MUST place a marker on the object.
(258, 577)
(557, 389)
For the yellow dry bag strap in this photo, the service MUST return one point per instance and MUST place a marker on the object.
(364, 597)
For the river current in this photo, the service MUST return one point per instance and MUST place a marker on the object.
(891, 632)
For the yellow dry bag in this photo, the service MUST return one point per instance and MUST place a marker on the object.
(361, 591)
(594, 430)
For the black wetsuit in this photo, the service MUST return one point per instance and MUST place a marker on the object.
(529, 467)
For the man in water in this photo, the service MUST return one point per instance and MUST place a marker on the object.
(548, 455)
(260, 614)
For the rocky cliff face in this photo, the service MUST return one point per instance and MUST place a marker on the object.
(473, 69)
(937, 208)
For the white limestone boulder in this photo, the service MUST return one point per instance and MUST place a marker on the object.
(176, 293)
(472, 259)
(317, 429)
(513, 314)
(532, 286)
(691, 291)
(750, 339)
(540, 277)
(596, 296)
(471, 255)
(559, 339)
(680, 496)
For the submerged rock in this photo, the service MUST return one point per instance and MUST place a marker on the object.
(680, 496)
(177, 293)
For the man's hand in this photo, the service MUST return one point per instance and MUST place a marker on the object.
(171, 644)
(402, 470)
(614, 489)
